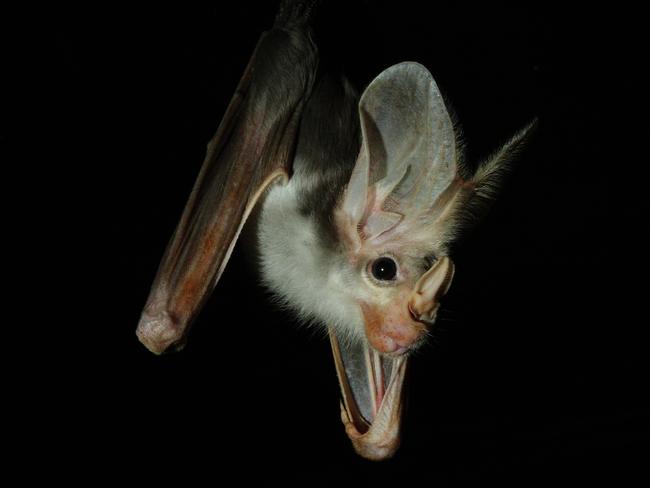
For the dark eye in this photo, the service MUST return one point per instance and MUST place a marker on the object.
(384, 269)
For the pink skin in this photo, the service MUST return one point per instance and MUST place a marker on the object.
(391, 329)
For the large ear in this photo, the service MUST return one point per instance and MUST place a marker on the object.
(407, 159)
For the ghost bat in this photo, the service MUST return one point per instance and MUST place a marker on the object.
(361, 198)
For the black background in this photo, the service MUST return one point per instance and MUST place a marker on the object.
(537, 370)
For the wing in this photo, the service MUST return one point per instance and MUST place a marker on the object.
(253, 147)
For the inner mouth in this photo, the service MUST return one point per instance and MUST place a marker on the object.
(371, 390)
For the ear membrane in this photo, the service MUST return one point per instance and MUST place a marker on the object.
(430, 288)
(407, 158)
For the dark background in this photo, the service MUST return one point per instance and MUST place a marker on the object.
(538, 366)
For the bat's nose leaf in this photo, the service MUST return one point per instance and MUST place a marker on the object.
(429, 289)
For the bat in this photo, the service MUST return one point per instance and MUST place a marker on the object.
(361, 199)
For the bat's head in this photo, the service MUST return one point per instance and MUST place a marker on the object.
(378, 286)
(401, 208)
(405, 202)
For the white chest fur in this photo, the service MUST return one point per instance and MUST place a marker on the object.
(303, 273)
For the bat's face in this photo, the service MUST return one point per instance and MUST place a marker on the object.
(388, 281)
(398, 292)
(397, 212)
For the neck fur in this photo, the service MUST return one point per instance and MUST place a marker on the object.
(303, 272)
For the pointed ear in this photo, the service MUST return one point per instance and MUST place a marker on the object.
(408, 154)
(471, 199)
(489, 175)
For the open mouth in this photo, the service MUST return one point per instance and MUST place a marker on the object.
(371, 389)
